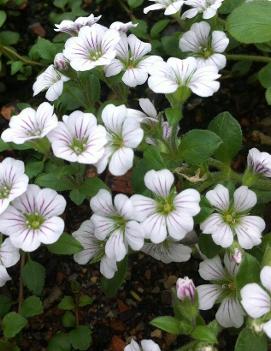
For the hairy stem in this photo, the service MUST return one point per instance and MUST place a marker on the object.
(12, 54)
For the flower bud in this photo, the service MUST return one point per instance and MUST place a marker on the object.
(185, 289)
(60, 62)
(237, 256)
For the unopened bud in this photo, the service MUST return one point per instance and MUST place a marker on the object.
(60, 62)
(207, 348)
(237, 256)
(185, 289)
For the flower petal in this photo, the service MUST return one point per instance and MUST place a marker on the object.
(219, 197)
(230, 313)
(208, 295)
(159, 182)
(255, 300)
(212, 269)
(244, 199)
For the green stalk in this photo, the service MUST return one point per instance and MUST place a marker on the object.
(12, 54)
(255, 58)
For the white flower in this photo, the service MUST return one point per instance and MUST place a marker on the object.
(78, 138)
(185, 289)
(60, 62)
(230, 312)
(30, 124)
(169, 214)
(93, 248)
(33, 219)
(52, 81)
(168, 251)
(170, 6)
(146, 345)
(116, 224)
(13, 181)
(123, 27)
(205, 45)
(123, 134)
(9, 255)
(232, 218)
(259, 162)
(73, 27)
(167, 77)
(4, 276)
(131, 58)
(94, 46)
(208, 8)
(257, 301)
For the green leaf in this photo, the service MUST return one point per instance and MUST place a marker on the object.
(67, 303)
(66, 245)
(59, 342)
(168, 324)
(250, 22)
(141, 30)
(268, 96)
(68, 319)
(8, 37)
(3, 17)
(249, 271)
(229, 5)
(77, 197)
(91, 186)
(33, 168)
(205, 334)
(5, 304)
(207, 246)
(54, 181)
(44, 49)
(80, 338)
(230, 132)
(135, 3)
(85, 300)
(33, 275)
(32, 306)
(264, 76)
(248, 341)
(111, 286)
(12, 324)
(198, 145)
(158, 27)
(171, 44)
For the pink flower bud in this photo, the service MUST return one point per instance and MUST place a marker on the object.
(237, 256)
(60, 62)
(185, 289)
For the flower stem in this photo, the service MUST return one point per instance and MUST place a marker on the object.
(12, 54)
(21, 286)
(255, 58)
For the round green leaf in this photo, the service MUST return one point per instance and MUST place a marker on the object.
(3, 17)
(12, 324)
(66, 245)
(80, 338)
(32, 306)
(250, 22)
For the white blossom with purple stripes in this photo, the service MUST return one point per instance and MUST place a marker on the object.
(33, 218)
(13, 181)
(94, 46)
(208, 8)
(30, 124)
(259, 162)
(145, 345)
(170, 6)
(78, 138)
(93, 249)
(52, 81)
(232, 218)
(72, 27)
(123, 136)
(222, 288)
(116, 224)
(256, 300)
(169, 214)
(132, 59)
